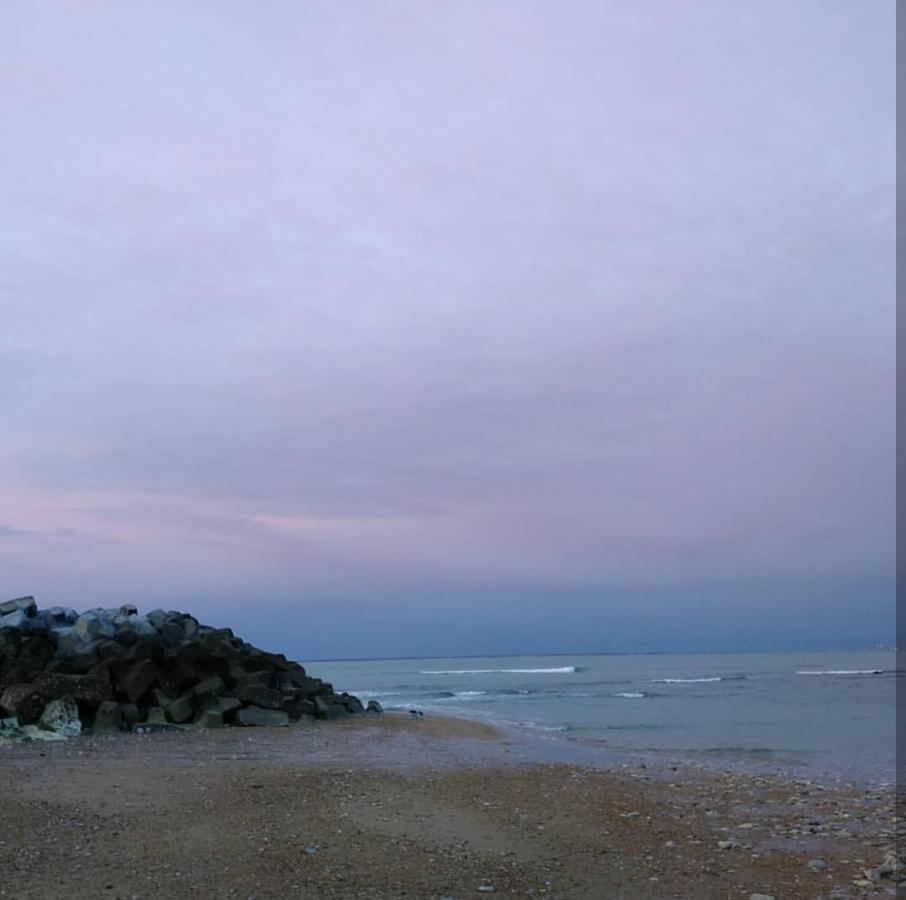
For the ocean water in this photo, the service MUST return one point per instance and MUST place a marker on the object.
(806, 713)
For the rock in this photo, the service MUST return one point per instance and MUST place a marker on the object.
(88, 627)
(245, 679)
(297, 709)
(727, 845)
(24, 701)
(817, 865)
(62, 716)
(108, 717)
(180, 710)
(210, 718)
(226, 706)
(259, 695)
(255, 715)
(486, 889)
(113, 666)
(326, 710)
(212, 685)
(156, 716)
(25, 605)
(14, 619)
(374, 707)
(136, 680)
(761, 897)
(131, 715)
(157, 618)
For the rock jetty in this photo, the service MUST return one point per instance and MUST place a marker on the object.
(110, 670)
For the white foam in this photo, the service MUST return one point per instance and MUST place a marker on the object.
(562, 670)
(684, 680)
(841, 672)
(630, 695)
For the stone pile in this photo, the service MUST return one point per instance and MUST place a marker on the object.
(114, 670)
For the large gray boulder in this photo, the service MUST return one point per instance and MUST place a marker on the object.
(15, 618)
(26, 605)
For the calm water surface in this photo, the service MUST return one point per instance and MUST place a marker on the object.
(809, 713)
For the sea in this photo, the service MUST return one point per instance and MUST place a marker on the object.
(806, 714)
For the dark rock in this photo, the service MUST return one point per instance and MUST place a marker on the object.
(172, 633)
(213, 685)
(108, 718)
(24, 701)
(254, 715)
(136, 680)
(180, 710)
(297, 709)
(374, 707)
(325, 710)
(156, 716)
(259, 695)
(353, 704)
(131, 714)
(209, 718)
(118, 667)
(177, 680)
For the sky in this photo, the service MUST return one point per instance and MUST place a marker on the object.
(460, 327)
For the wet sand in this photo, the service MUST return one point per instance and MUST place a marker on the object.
(386, 806)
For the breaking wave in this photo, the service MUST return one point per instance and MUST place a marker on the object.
(840, 672)
(561, 670)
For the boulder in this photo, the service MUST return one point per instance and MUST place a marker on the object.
(24, 701)
(89, 627)
(108, 718)
(255, 715)
(131, 715)
(213, 685)
(136, 680)
(156, 716)
(25, 605)
(13, 619)
(326, 710)
(297, 709)
(374, 707)
(259, 695)
(62, 716)
(180, 710)
(210, 718)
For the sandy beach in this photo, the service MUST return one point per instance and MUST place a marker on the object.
(386, 806)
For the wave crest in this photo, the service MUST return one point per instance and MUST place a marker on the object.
(560, 670)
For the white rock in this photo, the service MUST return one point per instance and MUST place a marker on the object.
(62, 717)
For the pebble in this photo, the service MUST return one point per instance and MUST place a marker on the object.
(486, 889)
(817, 865)
(761, 897)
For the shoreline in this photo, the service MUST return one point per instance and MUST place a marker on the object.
(389, 806)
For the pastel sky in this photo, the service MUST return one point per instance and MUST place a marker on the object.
(410, 328)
